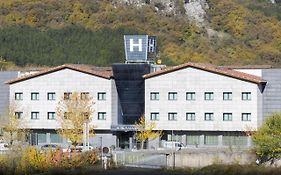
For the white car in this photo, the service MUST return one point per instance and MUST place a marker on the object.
(4, 147)
(81, 147)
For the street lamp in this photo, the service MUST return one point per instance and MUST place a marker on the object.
(101, 152)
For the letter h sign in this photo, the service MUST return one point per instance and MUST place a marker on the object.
(136, 48)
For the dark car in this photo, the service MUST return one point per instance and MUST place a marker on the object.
(50, 146)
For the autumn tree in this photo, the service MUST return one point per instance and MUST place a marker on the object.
(14, 125)
(74, 113)
(267, 139)
(145, 131)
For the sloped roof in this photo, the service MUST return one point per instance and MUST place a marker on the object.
(102, 72)
(210, 68)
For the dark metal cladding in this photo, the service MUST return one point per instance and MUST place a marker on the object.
(130, 87)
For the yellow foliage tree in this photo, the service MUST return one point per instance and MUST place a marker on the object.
(14, 126)
(74, 113)
(145, 131)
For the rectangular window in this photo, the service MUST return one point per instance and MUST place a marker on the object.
(192, 139)
(209, 117)
(246, 96)
(172, 95)
(101, 115)
(55, 138)
(190, 96)
(154, 95)
(66, 95)
(18, 95)
(51, 96)
(84, 95)
(51, 116)
(34, 115)
(19, 115)
(34, 96)
(190, 116)
(246, 116)
(227, 96)
(211, 140)
(41, 137)
(154, 116)
(209, 96)
(172, 116)
(101, 96)
(227, 116)
(234, 140)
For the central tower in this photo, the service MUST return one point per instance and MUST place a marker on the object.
(140, 51)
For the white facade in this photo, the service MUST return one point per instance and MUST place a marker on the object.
(199, 81)
(59, 82)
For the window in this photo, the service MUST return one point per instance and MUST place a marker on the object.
(192, 139)
(246, 95)
(84, 95)
(190, 96)
(209, 116)
(190, 116)
(235, 140)
(67, 115)
(227, 116)
(227, 96)
(172, 116)
(209, 96)
(154, 116)
(101, 96)
(172, 95)
(34, 115)
(51, 116)
(211, 140)
(154, 95)
(19, 115)
(34, 96)
(55, 138)
(246, 116)
(101, 115)
(18, 96)
(51, 96)
(41, 137)
(66, 95)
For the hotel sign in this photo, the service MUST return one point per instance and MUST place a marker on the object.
(138, 48)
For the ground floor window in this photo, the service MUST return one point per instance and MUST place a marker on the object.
(41, 137)
(192, 140)
(174, 137)
(55, 138)
(211, 140)
(235, 140)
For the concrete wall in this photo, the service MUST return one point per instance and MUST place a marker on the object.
(199, 81)
(4, 91)
(205, 158)
(65, 80)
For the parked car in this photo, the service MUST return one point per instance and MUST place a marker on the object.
(173, 145)
(4, 147)
(80, 147)
(50, 146)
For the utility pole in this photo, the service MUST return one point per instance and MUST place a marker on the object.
(101, 152)
(173, 151)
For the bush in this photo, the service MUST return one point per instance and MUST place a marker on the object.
(32, 160)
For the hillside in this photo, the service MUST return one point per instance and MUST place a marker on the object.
(52, 32)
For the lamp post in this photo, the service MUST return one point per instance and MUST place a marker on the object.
(173, 151)
(101, 152)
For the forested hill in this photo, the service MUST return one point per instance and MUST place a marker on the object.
(52, 32)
